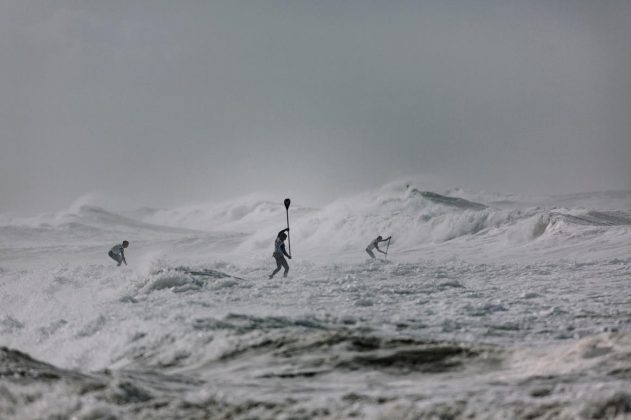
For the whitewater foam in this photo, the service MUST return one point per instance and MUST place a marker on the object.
(480, 311)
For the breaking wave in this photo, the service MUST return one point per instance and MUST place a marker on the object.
(389, 377)
(415, 218)
(418, 218)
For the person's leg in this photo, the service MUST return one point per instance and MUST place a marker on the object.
(284, 263)
(278, 265)
(116, 257)
(370, 253)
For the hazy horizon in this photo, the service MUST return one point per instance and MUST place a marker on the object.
(160, 103)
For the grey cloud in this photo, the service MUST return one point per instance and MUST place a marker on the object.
(164, 102)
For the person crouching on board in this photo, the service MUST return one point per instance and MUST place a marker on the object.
(117, 253)
(374, 244)
(280, 253)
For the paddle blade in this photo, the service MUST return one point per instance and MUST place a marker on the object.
(287, 203)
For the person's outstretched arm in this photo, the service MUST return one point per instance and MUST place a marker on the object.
(123, 256)
(284, 230)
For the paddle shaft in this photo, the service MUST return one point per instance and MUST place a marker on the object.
(288, 237)
(287, 202)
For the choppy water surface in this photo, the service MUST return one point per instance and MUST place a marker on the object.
(478, 313)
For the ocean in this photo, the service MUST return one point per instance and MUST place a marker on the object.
(488, 306)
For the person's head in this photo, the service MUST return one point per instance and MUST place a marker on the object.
(125, 244)
(379, 238)
(283, 236)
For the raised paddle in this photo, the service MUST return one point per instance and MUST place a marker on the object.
(287, 203)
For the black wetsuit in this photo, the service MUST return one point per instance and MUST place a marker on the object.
(279, 255)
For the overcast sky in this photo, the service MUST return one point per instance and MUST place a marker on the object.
(164, 102)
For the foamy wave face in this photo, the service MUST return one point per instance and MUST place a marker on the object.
(422, 222)
(438, 223)
(297, 372)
